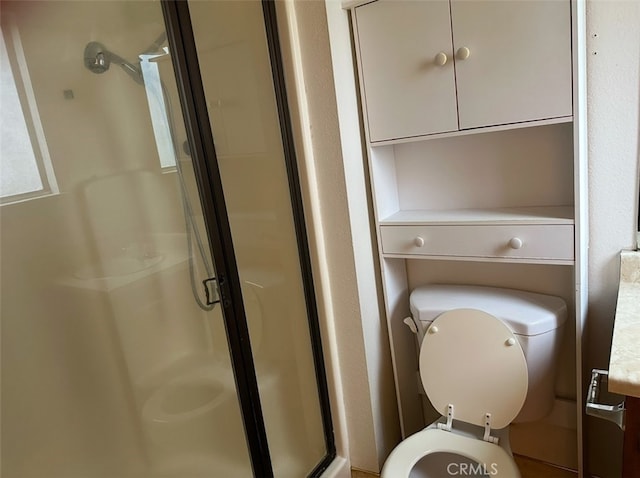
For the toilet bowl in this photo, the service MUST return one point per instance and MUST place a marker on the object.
(428, 454)
(487, 355)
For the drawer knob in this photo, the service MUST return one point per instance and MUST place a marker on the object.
(418, 241)
(515, 243)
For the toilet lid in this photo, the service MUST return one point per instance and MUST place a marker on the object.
(471, 359)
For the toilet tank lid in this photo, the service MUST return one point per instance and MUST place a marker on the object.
(526, 313)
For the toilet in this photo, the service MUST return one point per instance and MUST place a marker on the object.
(487, 359)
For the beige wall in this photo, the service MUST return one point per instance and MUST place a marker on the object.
(613, 76)
(326, 120)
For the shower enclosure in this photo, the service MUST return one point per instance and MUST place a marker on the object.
(158, 314)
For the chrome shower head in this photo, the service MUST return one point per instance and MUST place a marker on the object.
(98, 60)
(95, 58)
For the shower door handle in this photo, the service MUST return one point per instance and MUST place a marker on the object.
(210, 290)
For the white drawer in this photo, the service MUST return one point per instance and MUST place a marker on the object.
(537, 242)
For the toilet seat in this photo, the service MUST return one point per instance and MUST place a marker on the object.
(473, 370)
(471, 365)
(433, 440)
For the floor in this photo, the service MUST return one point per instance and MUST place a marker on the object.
(528, 468)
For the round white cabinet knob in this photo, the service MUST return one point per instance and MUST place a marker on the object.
(418, 241)
(463, 53)
(441, 58)
(515, 243)
(510, 341)
(433, 329)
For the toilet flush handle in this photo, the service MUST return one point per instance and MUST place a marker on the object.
(416, 327)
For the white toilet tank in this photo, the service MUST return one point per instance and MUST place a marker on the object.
(537, 321)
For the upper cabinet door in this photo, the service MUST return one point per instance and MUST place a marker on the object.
(407, 67)
(513, 60)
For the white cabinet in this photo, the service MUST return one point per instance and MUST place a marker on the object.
(476, 153)
(438, 66)
(407, 92)
(519, 66)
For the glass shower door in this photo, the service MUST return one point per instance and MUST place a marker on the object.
(115, 360)
(242, 82)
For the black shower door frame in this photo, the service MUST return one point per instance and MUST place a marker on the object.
(199, 133)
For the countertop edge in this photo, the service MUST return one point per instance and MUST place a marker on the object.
(624, 363)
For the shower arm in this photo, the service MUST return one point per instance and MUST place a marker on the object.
(129, 68)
